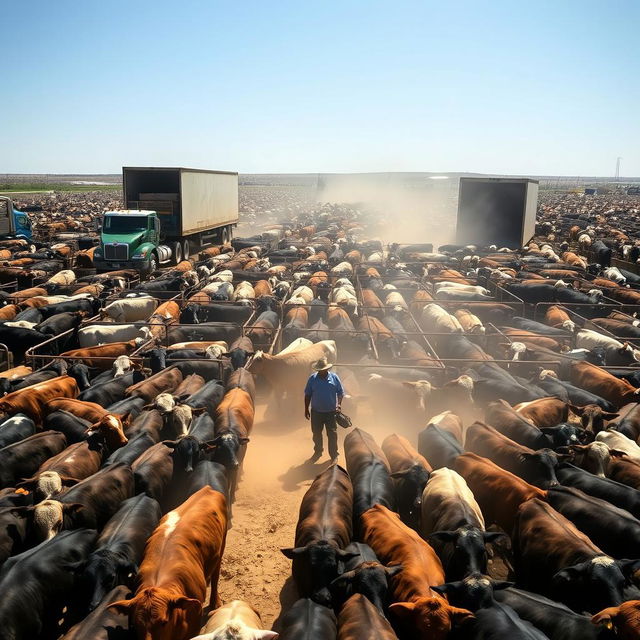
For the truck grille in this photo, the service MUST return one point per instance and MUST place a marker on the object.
(116, 251)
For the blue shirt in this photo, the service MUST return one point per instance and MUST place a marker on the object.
(324, 392)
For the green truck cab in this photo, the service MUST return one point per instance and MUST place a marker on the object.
(130, 239)
(169, 214)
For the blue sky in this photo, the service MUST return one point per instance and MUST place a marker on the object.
(505, 87)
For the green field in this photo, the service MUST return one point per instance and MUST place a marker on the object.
(38, 187)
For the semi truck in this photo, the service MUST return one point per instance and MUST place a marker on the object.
(12, 221)
(169, 213)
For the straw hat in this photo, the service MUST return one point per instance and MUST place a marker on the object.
(322, 365)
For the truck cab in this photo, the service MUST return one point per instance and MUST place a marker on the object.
(130, 239)
(12, 221)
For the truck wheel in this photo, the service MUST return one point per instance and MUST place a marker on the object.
(224, 236)
(186, 250)
(177, 253)
(229, 233)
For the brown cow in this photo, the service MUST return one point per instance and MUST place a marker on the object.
(544, 412)
(166, 381)
(32, 400)
(181, 557)
(487, 480)
(324, 529)
(167, 313)
(624, 470)
(189, 385)
(536, 467)
(360, 620)
(9, 312)
(602, 383)
(262, 288)
(373, 304)
(102, 356)
(410, 472)
(425, 614)
(624, 620)
(531, 339)
(449, 422)
(89, 411)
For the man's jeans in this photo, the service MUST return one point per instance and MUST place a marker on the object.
(319, 420)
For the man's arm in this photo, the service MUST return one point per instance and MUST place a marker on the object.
(340, 393)
(307, 402)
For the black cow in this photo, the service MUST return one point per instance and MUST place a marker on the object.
(73, 428)
(207, 397)
(552, 618)
(119, 548)
(49, 372)
(577, 396)
(88, 305)
(619, 495)
(60, 322)
(601, 253)
(307, 620)
(16, 428)
(38, 583)
(153, 470)
(100, 496)
(439, 447)
(22, 459)
(210, 332)
(614, 530)
(198, 313)
(136, 446)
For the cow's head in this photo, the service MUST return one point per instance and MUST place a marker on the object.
(103, 571)
(592, 417)
(623, 622)
(371, 579)
(474, 592)
(469, 553)
(563, 435)
(157, 614)
(186, 451)
(226, 446)
(47, 484)
(594, 457)
(540, 467)
(597, 583)
(111, 429)
(317, 562)
(428, 617)
(411, 483)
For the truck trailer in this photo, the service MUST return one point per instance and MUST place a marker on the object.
(168, 214)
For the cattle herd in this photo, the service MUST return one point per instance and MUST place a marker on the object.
(502, 502)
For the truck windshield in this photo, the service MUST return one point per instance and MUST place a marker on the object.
(124, 224)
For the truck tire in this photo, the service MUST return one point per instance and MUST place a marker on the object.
(230, 233)
(177, 252)
(224, 236)
(186, 250)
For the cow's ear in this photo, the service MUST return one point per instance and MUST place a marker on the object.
(121, 606)
(606, 617)
(172, 444)
(68, 481)
(393, 570)
(577, 410)
(492, 536)
(265, 635)
(501, 584)
(628, 567)
(460, 616)
(400, 474)
(293, 552)
(191, 605)
(199, 411)
(610, 416)
(443, 536)
(124, 418)
(448, 587)
(244, 440)
(402, 609)
(616, 453)
(71, 508)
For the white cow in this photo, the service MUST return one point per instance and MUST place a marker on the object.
(235, 621)
(129, 309)
(297, 345)
(588, 339)
(613, 273)
(435, 319)
(97, 334)
(244, 291)
(617, 441)
(458, 286)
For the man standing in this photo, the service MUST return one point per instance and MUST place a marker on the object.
(323, 394)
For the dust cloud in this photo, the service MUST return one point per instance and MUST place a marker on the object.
(414, 208)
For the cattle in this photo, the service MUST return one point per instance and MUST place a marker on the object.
(119, 549)
(453, 522)
(544, 412)
(594, 457)
(236, 620)
(359, 618)
(564, 390)
(308, 620)
(233, 422)
(536, 467)
(623, 471)
(137, 445)
(37, 584)
(553, 557)
(619, 442)
(614, 530)
(438, 447)
(492, 619)
(129, 309)
(596, 380)
(240, 351)
(502, 417)
(102, 356)
(208, 397)
(624, 620)
(21, 459)
(77, 462)
(165, 381)
(435, 319)
(552, 618)
(100, 496)
(424, 613)
(15, 429)
(31, 400)
(324, 530)
(619, 495)
(487, 480)
(410, 472)
(182, 555)
(285, 372)
(153, 470)
(94, 335)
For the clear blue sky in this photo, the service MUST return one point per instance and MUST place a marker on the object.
(493, 86)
